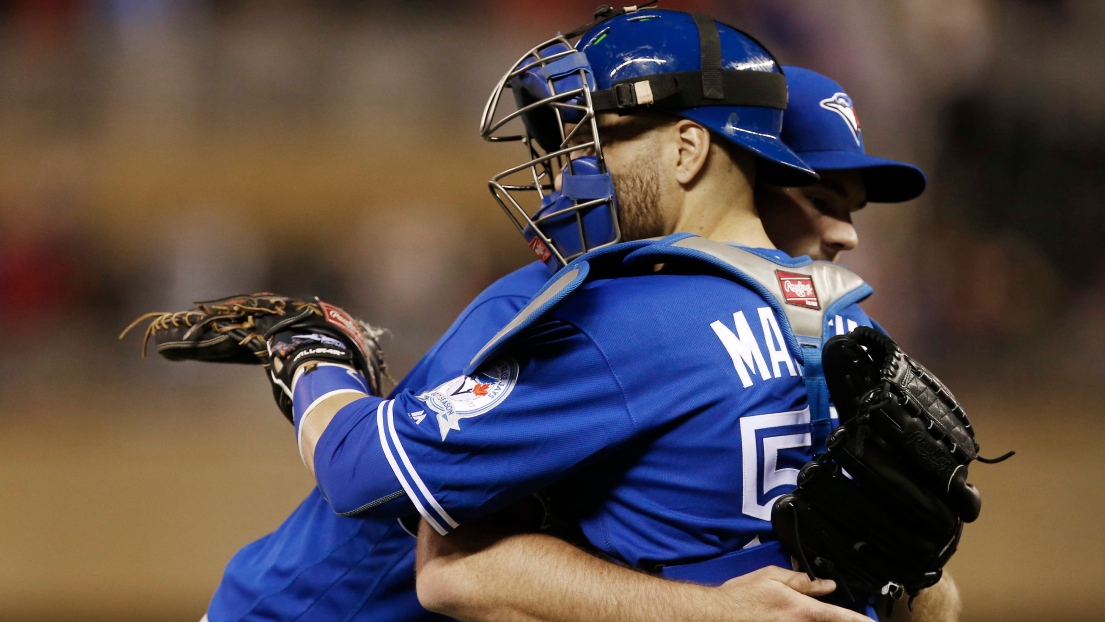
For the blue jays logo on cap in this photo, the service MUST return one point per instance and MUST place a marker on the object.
(841, 104)
(814, 127)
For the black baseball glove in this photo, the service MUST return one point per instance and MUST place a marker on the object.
(282, 334)
(883, 510)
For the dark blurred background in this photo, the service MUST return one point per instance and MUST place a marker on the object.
(156, 152)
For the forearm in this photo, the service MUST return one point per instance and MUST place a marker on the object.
(485, 573)
(939, 603)
(336, 423)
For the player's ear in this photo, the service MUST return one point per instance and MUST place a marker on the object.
(693, 142)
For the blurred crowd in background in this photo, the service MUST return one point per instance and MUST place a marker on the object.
(158, 152)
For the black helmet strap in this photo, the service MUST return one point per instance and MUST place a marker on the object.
(689, 89)
(709, 41)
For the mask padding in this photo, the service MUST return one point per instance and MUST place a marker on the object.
(544, 81)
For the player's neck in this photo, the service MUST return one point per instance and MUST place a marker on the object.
(721, 207)
(744, 229)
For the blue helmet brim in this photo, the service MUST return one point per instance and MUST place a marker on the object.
(778, 165)
(887, 181)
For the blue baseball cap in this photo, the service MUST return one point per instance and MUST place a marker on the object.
(821, 126)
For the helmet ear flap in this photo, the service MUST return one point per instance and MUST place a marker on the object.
(559, 74)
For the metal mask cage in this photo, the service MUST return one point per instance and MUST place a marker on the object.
(532, 182)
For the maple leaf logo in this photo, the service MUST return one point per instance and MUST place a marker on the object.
(480, 389)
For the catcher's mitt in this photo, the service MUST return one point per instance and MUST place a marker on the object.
(883, 510)
(280, 333)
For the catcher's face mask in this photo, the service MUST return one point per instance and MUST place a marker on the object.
(552, 86)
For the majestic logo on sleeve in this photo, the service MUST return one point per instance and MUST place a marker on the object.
(471, 396)
(841, 104)
(798, 290)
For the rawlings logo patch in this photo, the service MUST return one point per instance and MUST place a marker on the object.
(540, 249)
(929, 454)
(798, 290)
(465, 397)
(346, 324)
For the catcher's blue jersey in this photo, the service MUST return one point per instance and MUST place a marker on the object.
(671, 404)
(321, 566)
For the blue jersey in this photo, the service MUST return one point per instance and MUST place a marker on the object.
(672, 404)
(321, 566)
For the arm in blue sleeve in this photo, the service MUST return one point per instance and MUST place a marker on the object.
(346, 478)
(479, 443)
(355, 477)
(470, 446)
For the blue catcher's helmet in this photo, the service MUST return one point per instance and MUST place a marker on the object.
(628, 61)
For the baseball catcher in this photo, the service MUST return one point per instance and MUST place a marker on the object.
(285, 335)
(883, 510)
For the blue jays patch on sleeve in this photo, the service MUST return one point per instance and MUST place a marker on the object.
(465, 397)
